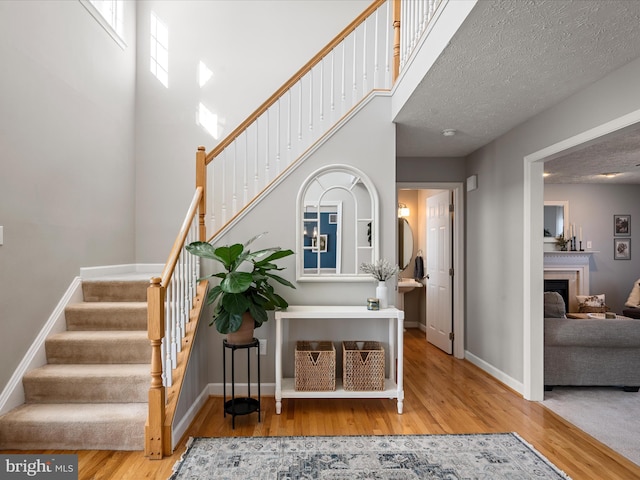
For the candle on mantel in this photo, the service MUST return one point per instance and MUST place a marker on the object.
(580, 237)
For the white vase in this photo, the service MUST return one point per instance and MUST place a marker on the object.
(382, 294)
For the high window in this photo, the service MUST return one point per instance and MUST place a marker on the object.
(109, 14)
(159, 57)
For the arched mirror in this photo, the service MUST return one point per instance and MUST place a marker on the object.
(405, 243)
(556, 219)
(337, 227)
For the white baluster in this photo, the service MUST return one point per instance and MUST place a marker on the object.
(310, 75)
(343, 93)
(322, 90)
(256, 176)
(278, 168)
(376, 62)
(266, 148)
(365, 88)
(333, 77)
(234, 183)
(299, 110)
(223, 188)
(387, 48)
(355, 55)
(245, 178)
(289, 123)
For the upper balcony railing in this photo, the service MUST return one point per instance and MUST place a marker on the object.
(366, 56)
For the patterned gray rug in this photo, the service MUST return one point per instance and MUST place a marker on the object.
(387, 457)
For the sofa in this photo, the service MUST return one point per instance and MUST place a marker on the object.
(589, 352)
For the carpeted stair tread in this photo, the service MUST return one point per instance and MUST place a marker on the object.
(91, 426)
(106, 316)
(98, 347)
(87, 383)
(115, 290)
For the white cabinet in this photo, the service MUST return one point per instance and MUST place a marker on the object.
(285, 387)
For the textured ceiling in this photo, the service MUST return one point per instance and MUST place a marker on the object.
(511, 60)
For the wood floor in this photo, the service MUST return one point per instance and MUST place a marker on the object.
(442, 395)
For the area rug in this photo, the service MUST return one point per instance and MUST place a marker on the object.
(386, 457)
(608, 414)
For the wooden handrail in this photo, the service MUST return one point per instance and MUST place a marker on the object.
(182, 236)
(157, 435)
(293, 80)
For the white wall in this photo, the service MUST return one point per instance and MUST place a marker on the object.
(66, 137)
(495, 225)
(593, 208)
(252, 47)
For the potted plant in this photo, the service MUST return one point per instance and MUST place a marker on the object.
(562, 242)
(245, 293)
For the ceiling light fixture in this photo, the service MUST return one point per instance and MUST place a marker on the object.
(609, 174)
(449, 132)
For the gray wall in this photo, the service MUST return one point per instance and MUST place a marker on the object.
(494, 329)
(593, 208)
(66, 137)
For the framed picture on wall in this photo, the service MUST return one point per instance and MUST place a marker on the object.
(622, 249)
(319, 244)
(622, 225)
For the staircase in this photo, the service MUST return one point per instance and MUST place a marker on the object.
(92, 393)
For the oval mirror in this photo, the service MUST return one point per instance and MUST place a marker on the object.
(405, 243)
(337, 226)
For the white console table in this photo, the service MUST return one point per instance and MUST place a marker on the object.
(285, 387)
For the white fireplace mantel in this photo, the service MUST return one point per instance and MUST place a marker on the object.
(574, 266)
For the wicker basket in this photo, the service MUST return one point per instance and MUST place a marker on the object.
(362, 368)
(315, 366)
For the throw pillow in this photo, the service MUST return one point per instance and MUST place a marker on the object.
(591, 300)
(553, 305)
(634, 296)
(591, 303)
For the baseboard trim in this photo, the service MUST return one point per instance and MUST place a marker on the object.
(495, 373)
(13, 394)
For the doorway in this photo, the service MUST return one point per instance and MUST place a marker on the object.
(414, 196)
(533, 345)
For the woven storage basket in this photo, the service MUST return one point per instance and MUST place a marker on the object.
(362, 368)
(315, 366)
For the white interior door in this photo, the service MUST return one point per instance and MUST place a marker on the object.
(438, 269)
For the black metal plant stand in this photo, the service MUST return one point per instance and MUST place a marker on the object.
(240, 405)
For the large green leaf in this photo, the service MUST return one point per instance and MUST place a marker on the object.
(203, 249)
(236, 282)
(229, 254)
(213, 294)
(281, 280)
(259, 314)
(226, 322)
(235, 303)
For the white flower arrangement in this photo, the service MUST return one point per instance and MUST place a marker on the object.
(381, 270)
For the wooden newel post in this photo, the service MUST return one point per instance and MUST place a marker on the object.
(396, 39)
(155, 324)
(201, 181)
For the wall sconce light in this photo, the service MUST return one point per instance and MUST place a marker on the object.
(403, 210)
(315, 232)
